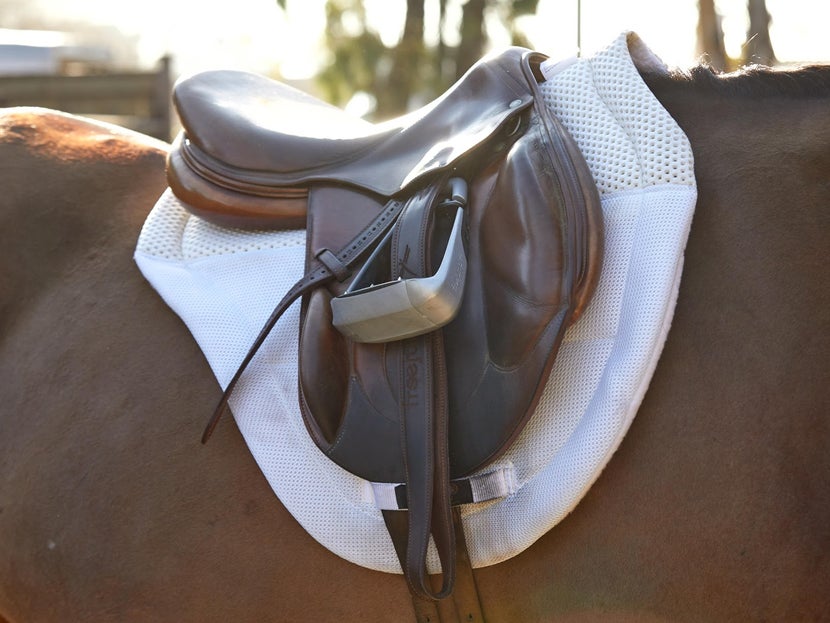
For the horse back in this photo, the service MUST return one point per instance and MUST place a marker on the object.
(713, 508)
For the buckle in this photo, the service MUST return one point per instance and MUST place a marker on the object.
(395, 310)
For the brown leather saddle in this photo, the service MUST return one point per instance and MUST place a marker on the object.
(447, 252)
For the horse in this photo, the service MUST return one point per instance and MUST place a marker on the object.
(715, 507)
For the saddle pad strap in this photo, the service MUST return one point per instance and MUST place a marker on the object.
(492, 485)
(327, 266)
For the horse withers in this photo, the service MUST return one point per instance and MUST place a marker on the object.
(713, 508)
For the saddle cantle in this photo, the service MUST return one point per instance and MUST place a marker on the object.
(425, 409)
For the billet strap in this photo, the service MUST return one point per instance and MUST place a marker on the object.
(327, 266)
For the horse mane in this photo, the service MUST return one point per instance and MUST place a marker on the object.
(750, 81)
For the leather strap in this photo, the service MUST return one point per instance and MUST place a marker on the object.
(426, 611)
(397, 524)
(465, 605)
(424, 414)
(326, 267)
(465, 595)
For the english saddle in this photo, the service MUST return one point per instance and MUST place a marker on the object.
(447, 252)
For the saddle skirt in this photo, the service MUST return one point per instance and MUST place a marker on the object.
(643, 167)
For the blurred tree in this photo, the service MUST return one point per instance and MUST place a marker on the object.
(407, 57)
(359, 59)
(412, 71)
(473, 36)
(758, 47)
(710, 36)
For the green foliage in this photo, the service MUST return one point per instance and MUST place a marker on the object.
(356, 52)
(523, 7)
(509, 11)
(409, 72)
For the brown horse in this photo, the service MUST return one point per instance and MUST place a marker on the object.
(715, 508)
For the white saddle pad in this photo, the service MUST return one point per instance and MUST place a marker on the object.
(224, 284)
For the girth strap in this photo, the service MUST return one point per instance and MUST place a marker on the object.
(465, 595)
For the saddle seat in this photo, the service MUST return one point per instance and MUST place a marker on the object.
(251, 146)
(228, 112)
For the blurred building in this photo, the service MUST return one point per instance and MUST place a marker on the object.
(54, 70)
(46, 52)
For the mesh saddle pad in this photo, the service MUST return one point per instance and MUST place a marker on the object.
(643, 167)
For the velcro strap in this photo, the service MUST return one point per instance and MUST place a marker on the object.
(492, 485)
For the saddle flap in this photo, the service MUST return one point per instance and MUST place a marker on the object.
(532, 229)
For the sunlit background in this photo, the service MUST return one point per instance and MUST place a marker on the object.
(116, 61)
(257, 35)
